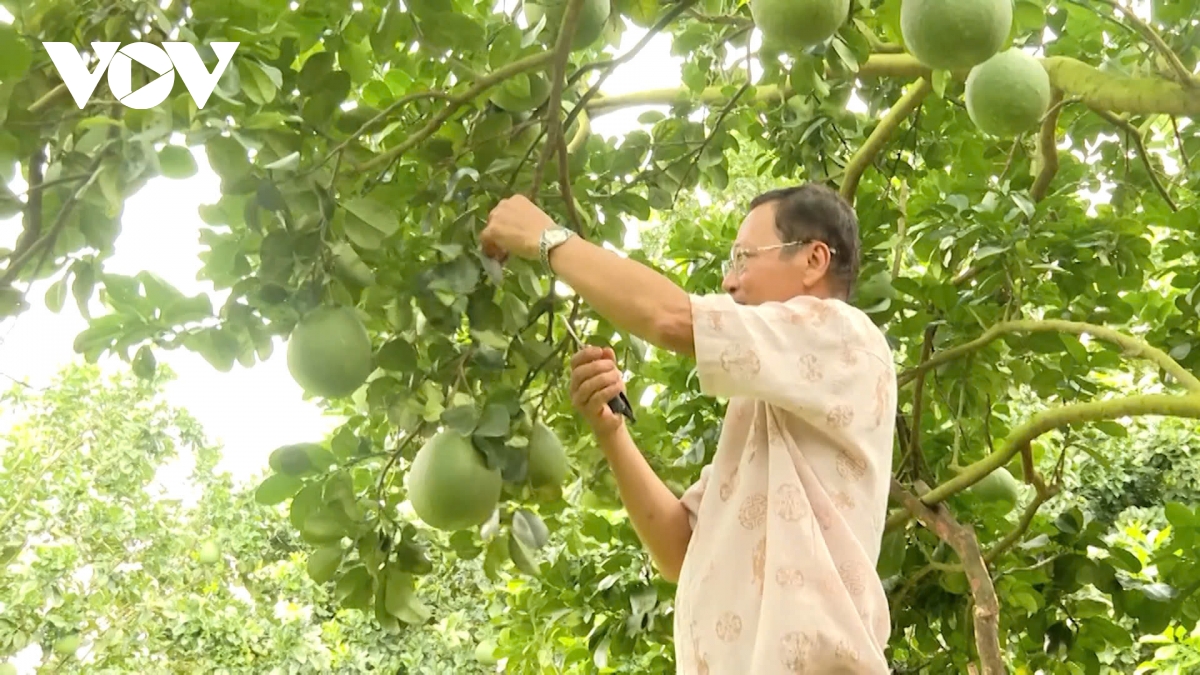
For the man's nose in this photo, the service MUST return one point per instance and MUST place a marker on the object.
(730, 282)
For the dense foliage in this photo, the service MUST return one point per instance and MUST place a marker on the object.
(124, 550)
(360, 146)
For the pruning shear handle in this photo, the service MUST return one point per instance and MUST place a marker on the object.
(619, 403)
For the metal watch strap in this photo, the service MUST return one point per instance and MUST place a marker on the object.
(545, 247)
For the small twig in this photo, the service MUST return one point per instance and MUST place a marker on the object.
(484, 83)
(1182, 73)
(1187, 164)
(867, 152)
(396, 456)
(654, 30)
(561, 56)
(708, 139)
(564, 185)
(914, 443)
(1137, 139)
(383, 114)
(1044, 494)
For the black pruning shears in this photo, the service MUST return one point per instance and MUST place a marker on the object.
(620, 403)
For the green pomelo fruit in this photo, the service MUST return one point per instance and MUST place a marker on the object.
(485, 652)
(209, 552)
(329, 352)
(593, 17)
(997, 487)
(450, 485)
(1008, 94)
(792, 25)
(547, 458)
(955, 34)
(521, 92)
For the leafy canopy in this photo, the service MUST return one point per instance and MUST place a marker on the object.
(360, 146)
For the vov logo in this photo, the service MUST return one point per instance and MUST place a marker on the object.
(118, 62)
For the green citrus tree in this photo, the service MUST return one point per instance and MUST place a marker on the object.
(360, 146)
(117, 558)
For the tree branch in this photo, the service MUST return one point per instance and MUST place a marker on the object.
(1106, 90)
(708, 138)
(1181, 72)
(562, 54)
(962, 539)
(1137, 139)
(537, 61)
(32, 227)
(1187, 164)
(383, 114)
(914, 444)
(18, 262)
(879, 137)
(1132, 347)
(1048, 420)
(1048, 148)
(1002, 546)
(564, 185)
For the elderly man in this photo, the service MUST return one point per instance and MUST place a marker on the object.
(774, 547)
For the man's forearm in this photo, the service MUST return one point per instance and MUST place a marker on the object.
(632, 296)
(658, 516)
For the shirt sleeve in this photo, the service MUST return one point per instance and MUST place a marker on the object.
(803, 355)
(695, 494)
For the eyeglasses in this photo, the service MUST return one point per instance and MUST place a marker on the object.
(738, 256)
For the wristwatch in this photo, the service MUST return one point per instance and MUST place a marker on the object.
(551, 238)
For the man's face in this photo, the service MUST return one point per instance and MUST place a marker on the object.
(774, 275)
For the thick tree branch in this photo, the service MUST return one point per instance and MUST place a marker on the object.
(1181, 72)
(562, 54)
(1101, 89)
(1137, 139)
(962, 539)
(866, 154)
(1131, 346)
(1048, 149)
(535, 62)
(1048, 420)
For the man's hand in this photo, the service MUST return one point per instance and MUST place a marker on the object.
(514, 227)
(595, 380)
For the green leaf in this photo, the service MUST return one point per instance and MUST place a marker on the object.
(276, 488)
(369, 222)
(177, 162)
(324, 562)
(521, 556)
(56, 295)
(494, 422)
(15, 54)
(461, 418)
(1181, 517)
(530, 529)
(397, 355)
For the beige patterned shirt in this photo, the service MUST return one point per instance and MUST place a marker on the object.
(779, 577)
